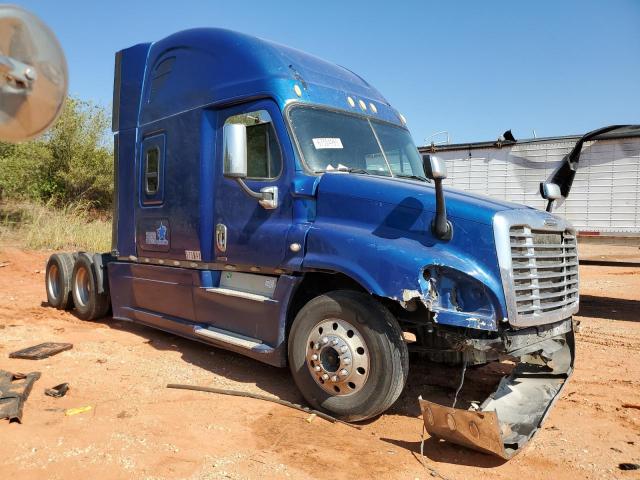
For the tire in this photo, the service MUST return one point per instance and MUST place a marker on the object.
(89, 304)
(58, 280)
(361, 351)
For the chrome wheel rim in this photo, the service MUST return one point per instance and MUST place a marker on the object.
(53, 281)
(338, 357)
(82, 287)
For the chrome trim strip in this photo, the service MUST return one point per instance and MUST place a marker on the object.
(535, 220)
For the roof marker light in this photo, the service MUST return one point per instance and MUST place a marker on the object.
(351, 102)
(363, 105)
(296, 89)
(374, 109)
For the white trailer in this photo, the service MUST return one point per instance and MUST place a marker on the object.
(604, 203)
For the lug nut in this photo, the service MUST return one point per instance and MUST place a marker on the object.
(344, 372)
(343, 349)
(334, 378)
(346, 361)
(334, 342)
(317, 368)
(325, 340)
(314, 357)
(316, 346)
(325, 376)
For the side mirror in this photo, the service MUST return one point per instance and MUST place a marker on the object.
(550, 191)
(33, 75)
(434, 167)
(235, 164)
(235, 150)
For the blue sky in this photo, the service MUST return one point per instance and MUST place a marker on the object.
(472, 68)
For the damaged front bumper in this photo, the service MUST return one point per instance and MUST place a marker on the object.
(505, 422)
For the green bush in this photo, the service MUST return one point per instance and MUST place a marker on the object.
(72, 162)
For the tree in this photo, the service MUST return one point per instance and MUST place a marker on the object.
(72, 162)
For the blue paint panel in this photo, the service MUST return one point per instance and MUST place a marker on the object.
(129, 86)
(126, 201)
(256, 236)
(153, 289)
(182, 171)
(384, 225)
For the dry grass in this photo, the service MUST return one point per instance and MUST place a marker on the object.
(38, 227)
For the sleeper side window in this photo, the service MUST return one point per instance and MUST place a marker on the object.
(264, 158)
(152, 170)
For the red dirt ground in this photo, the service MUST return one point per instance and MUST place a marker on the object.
(139, 429)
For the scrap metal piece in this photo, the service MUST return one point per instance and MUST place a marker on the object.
(57, 391)
(43, 350)
(510, 416)
(14, 390)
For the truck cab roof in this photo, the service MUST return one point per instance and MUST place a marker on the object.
(212, 67)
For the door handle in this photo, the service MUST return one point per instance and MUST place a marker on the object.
(221, 237)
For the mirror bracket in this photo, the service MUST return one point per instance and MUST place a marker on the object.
(18, 76)
(267, 197)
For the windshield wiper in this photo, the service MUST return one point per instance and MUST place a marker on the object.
(411, 176)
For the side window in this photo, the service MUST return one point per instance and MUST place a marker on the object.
(152, 170)
(264, 159)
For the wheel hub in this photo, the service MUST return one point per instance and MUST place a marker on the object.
(337, 357)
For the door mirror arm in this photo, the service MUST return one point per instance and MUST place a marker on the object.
(436, 170)
(267, 197)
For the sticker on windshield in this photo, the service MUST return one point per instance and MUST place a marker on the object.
(322, 143)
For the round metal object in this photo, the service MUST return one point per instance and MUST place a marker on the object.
(343, 357)
(82, 287)
(53, 281)
(33, 75)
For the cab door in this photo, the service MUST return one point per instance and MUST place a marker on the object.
(247, 234)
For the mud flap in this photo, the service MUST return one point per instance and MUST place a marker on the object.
(509, 417)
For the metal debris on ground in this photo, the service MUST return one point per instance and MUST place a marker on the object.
(43, 350)
(57, 391)
(14, 390)
(257, 396)
(629, 466)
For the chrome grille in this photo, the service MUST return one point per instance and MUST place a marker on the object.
(544, 268)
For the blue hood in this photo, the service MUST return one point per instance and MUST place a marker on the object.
(413, 194)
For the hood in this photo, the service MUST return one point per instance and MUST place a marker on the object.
(413, 194)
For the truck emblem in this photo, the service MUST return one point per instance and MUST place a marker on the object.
(157, 236)
(550, 222)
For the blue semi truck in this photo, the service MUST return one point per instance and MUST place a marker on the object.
(274, 204)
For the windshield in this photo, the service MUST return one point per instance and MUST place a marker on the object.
(339, 141)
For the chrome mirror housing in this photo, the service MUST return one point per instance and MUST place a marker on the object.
(434, 167)
(235, 150)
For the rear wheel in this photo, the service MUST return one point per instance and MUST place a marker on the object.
(347, 355)
(58, 280)
(89, 303)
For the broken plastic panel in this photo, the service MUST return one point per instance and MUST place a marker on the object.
(509, 417)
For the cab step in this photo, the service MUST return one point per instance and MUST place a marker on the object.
(240, 294)
(232, 338)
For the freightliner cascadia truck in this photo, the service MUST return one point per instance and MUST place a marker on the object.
(274, 204)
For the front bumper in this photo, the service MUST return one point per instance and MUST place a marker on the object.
(509, 417)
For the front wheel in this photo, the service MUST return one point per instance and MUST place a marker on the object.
(347, 355)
